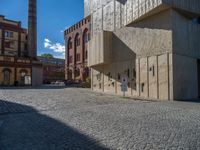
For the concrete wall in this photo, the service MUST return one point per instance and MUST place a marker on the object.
(186, 51)
(134, 10)
(153, 77)
(100, 50)
(185, 77)
(187, 5)
(37, 76)
(185, 35)
(161, 43)
(143, 49)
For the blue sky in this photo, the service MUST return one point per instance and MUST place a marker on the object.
(53, 17)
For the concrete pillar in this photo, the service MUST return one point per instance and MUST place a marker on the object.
(32, 29)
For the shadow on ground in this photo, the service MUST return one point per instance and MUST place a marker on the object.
(24, 128)
(190, 100)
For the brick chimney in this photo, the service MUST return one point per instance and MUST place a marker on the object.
(32, 29)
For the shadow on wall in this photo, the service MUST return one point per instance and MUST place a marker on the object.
(123, 53)
(122, 63)
(24, 128)
(160, 21)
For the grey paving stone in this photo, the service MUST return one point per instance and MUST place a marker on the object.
(74, 118)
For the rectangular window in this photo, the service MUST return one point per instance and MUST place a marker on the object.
(70, 45)
(98, 76)
(86, 54)
(142, 87)
(134, 73)
(8, 34)
(70, 59)
(85, 39)
(78, 42)
(88, 36)
(9, 44)
(78, 58)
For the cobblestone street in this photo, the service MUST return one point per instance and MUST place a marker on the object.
(74, 118)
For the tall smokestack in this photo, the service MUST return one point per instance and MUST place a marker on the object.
(32, 29)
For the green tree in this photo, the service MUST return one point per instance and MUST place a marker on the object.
(47, 56)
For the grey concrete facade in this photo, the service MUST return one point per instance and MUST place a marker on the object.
(153, 42)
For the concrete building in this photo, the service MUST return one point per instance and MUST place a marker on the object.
(154, 43)
(53, 69)
(77, 38)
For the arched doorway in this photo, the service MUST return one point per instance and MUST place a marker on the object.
(23, 74)
(6, 76)
(77, 74)
(69, 74)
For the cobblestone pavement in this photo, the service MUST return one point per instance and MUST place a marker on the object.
(74, 118)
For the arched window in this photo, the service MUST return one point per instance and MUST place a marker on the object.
(69, 43)
(86, 38)
(86, 35)
(6, 75)
(77, 40)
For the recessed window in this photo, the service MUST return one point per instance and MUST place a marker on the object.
(70, 59)
(78, 57)
(87, 37)
(128, 73)
(109, 76)
(119, 76)
(98, 76)
(8, 34)
(142, 87)
(6, 76)
(86, 54)
(9, 44)
(70, 45)
(77, 41)
(134, 73)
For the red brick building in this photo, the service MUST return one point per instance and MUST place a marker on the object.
(17, 66)
(77, 39)
(53, 69)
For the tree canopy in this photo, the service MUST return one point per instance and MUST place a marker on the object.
(47, 55)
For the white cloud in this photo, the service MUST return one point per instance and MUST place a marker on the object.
(47, 40)
(55, 47)
(62, 56)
